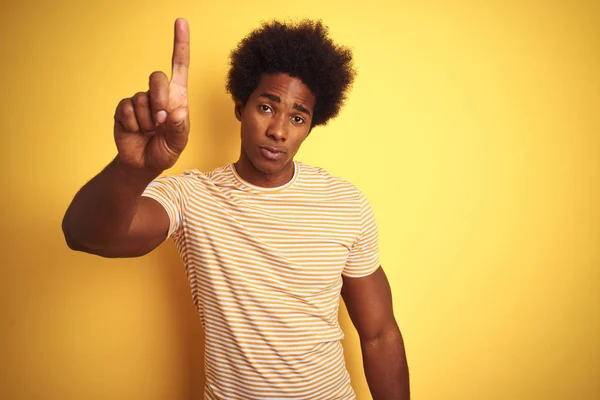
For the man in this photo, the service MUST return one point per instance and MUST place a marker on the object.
(269, 243)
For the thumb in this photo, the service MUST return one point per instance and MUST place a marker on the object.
(177, 127)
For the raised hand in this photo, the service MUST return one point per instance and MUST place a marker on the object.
(151, 128)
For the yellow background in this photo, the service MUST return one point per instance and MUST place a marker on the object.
(473, 127)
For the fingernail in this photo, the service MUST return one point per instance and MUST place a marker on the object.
(161, 116)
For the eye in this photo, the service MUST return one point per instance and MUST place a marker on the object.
(265, 108)
(297, 120)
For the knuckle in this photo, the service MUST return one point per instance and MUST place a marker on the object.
(127, 109)
(119, 109)
(140, 99)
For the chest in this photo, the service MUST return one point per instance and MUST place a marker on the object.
(293, 243)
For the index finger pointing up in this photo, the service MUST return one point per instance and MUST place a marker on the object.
(181, 53)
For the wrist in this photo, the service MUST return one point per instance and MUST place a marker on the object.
(134, 177)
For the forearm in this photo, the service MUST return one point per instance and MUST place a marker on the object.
(103, 208)
(385, 366)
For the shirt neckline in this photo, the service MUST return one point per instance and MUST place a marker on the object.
(264, 189)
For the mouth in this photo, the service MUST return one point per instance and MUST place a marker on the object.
(272, 153)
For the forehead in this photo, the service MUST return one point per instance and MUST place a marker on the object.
(290, 89)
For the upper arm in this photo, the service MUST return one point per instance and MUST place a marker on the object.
(369, 304)
(159, 214)
(148, 229)
(363, 259)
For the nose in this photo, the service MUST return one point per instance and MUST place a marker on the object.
(277, 129)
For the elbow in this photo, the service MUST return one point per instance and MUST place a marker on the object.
(73, 245)
(105, 250)
(78, 246)
(390, 333)
(70, 239)
(71, 242)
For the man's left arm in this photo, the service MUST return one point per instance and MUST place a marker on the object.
(369, 303)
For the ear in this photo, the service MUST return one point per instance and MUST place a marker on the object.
(239, 111)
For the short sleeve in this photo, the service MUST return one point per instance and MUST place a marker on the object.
(364, 254)
(168, 191)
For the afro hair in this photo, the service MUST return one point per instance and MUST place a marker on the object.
(301, 50)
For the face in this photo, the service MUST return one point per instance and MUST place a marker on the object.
(276, 119)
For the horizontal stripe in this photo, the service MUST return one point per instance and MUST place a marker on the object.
(265, 269)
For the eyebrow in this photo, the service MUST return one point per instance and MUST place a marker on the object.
(277, 99)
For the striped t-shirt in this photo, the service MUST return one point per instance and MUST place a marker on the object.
(265, 267)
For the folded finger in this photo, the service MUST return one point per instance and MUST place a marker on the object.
(125, 116)
(143, 115)
(159, 96)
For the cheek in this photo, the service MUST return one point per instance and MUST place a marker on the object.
(299, 140)
(252, 126)
(248, 127)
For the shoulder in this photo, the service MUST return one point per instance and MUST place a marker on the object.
(193, 178)
(317, 178)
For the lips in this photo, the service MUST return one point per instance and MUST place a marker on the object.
(272, 153)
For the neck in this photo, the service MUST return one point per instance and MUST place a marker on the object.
(250, 174)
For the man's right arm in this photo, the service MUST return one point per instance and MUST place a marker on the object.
(109, 216)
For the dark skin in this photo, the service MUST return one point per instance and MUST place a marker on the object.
(110, 218)
(277, 116)
(369, 304)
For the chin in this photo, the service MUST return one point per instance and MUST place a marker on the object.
(269, 167)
